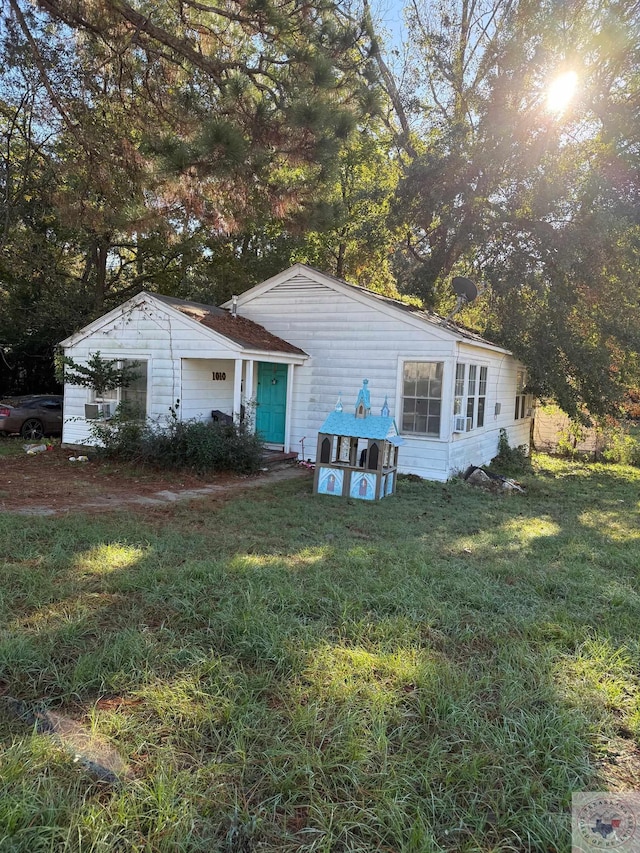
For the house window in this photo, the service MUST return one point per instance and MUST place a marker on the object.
(482, 396)
(522, 399)
(470, 395)
(472, 386)
(458, 399)
(422, 397)
(134, 396)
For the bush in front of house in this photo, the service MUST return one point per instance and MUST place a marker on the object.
(195, 445)
(511, 461)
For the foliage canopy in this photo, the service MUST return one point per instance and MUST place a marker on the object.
(195, 149)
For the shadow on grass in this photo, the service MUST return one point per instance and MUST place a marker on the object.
(293, 672)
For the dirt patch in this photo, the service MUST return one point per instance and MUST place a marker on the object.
(49, 484)
(619, 766)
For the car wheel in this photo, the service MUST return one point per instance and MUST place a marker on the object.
(32, 429)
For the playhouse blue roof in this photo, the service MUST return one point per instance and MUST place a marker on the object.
(373, 426)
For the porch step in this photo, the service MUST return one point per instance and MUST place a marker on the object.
(277, 458)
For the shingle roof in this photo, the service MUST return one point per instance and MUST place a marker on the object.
(238, 329)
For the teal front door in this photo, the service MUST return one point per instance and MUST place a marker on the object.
(271, 400)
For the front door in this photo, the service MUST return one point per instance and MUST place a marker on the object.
(271, 402)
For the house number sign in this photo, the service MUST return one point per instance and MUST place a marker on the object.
(218, 377)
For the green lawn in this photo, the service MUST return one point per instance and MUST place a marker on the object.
(284, 672)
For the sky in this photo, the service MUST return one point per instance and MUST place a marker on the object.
(389, 14)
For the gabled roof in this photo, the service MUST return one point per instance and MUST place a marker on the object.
(238, 329)
(385, 302)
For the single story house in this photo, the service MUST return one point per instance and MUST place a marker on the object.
(281, 353)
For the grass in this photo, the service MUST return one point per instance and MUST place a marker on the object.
(289, 672)
(11, 446)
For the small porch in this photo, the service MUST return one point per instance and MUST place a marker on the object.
(255, 390)
(278, 458)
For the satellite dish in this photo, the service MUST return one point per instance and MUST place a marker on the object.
(464, 288)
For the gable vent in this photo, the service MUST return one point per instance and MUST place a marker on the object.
(300, 284)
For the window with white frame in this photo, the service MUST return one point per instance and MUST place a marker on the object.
(458, 399)
(523, 401)
(470, 396)
(482, 396)
(134, 395)
(422, 397)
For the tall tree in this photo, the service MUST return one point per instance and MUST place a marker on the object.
(143, 141)
(253, 101)
(537, 203)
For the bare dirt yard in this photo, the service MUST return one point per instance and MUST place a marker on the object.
(49, 483)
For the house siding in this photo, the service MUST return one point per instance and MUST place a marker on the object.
(147, 333)
(201, 393)
(348, 335)
(480, 445)
(349, 340)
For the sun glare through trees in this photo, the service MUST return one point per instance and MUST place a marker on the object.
(561, 92)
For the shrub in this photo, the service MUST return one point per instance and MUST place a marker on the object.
(511, 460)
(569, 438)
(619, 445)
(192, 444)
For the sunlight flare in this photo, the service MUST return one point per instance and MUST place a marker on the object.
(561, 92)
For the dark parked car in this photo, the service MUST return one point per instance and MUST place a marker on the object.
(32, 416)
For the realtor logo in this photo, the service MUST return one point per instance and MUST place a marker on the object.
(606, 821)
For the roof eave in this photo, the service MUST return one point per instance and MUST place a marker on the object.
(276, 355)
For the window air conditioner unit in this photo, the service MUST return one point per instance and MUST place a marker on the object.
(97, 411)
(461, 424)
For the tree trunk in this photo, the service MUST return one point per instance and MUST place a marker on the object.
(100, 252)
(340, 258)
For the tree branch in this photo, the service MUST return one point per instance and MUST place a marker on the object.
(390, 85)
(179, 45)
(41, 67)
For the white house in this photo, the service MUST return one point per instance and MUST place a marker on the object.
(283, 351)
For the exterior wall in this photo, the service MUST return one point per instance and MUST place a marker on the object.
(146, 333)
(349, 340)
(479, 446)
(201, 392)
